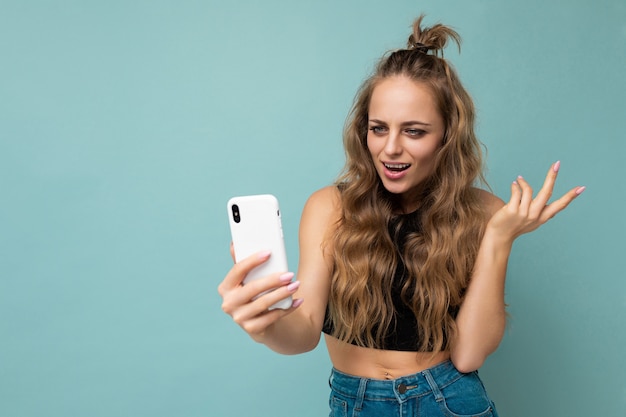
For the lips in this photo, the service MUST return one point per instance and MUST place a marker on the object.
(396, 167)
(395, 171)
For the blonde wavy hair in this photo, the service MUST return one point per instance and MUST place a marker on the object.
(439, 258)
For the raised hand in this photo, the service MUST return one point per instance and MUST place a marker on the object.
(523, 213)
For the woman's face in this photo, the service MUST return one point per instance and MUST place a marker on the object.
(405, 132)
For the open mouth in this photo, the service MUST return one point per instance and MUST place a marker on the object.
(396, 167)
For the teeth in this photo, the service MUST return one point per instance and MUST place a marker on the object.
(397, 166)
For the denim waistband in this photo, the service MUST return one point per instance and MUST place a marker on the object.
(403, 388)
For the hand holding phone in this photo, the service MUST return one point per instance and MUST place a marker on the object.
(255, 225)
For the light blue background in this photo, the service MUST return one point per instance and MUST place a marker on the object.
(126, 125)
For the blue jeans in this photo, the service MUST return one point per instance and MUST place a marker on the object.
(438, 391)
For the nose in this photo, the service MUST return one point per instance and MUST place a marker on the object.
(393, 145)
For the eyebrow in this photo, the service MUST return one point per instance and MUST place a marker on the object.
(408, 123)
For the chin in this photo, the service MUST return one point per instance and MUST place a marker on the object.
(396, 190)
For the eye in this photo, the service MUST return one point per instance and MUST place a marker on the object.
(415, 133)
(378, 130)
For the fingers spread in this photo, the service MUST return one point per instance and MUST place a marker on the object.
(523, 213)
(557, 206)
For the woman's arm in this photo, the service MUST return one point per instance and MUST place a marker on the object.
(482, 318)
(297, 329)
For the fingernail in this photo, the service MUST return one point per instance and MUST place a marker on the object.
(556, 166)
(519, 177)
(264, 254)
(293, 286)
(286, 277)
(297, 302)
(580, 190)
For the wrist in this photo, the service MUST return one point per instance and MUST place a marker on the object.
(497, 239)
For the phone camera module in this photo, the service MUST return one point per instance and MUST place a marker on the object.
(236, 216)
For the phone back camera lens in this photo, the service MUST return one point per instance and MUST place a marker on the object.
(236, 216)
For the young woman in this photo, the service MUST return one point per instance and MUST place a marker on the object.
(403, 261)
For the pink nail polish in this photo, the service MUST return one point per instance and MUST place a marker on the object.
(286, 277)
(264, 254)
(556, 166)
(580, 190)
(297, 302)
(293, 286)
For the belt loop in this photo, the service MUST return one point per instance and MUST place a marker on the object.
(360, 396)
(433, 385)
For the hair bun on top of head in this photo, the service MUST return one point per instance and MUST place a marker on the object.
(435, 38)
(419, 47)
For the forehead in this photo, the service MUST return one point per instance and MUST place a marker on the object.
(400, 97)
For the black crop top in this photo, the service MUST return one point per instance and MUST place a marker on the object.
(403, 333)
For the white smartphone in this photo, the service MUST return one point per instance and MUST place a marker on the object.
(255, 225)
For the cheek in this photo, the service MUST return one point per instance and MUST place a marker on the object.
(425, 154)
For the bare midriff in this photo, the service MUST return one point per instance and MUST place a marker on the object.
(379, 364)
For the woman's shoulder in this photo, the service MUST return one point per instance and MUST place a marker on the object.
(320, 217)
(490, 202)
(327, 198)
(323, 208)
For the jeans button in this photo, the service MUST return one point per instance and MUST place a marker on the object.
(401, 388)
